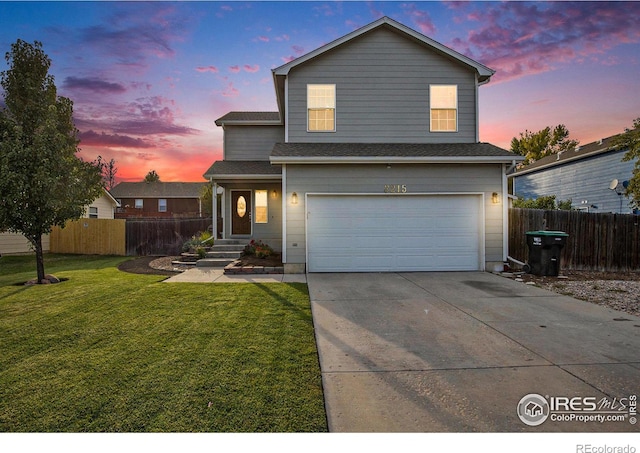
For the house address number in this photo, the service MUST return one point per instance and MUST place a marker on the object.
(395, 188)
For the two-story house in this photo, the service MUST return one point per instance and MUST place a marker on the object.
(372, 161)
(159, 199)
(592, 176)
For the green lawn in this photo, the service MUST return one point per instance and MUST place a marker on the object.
(108, 351)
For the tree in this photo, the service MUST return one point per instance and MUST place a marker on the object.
(536, 145)
(630, 140)
(108, 171)
(152, 176)
(547, 202)
(42, 181)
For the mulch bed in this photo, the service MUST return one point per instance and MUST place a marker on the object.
(141, 266)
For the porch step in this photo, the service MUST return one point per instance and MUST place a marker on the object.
(214, 262)
(223, 252)
(235, 254)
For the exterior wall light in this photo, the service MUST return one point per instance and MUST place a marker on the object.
(294, 198)
(495, 198)
(274, 194)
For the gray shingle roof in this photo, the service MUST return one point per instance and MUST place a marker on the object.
(238, 167)
(249, 118)
(581, 152)
(364, 150)
(158, 189)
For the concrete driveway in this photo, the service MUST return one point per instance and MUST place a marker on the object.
(457, 352)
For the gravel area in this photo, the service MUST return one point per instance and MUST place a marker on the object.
(616, 290)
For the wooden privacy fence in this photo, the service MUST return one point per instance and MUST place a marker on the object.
(161, 236)
(89, 237)
(603, 242)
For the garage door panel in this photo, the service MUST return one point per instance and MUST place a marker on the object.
(393, 233)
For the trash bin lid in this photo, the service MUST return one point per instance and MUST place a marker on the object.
(547, 233)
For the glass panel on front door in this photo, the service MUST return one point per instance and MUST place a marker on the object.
(241, 212)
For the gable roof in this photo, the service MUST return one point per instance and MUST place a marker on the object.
(158, 189)
(580, 152)
(390, 153)
(484, 72)
(280, 73)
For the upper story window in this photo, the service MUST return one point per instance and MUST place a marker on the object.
(321, 108)
(139, 204)
(444, 108)
(162, 205)
(93, 212)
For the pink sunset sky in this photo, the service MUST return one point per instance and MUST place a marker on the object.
(148, 80)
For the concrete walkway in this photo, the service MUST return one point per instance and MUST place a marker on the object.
(456, 352)
(216, 275)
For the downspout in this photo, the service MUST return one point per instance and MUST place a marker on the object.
(505, 209)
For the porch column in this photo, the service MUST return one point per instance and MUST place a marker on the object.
(214, 206)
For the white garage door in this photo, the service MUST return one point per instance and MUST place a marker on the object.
(368, 233)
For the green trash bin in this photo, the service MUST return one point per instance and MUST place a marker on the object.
(544, 251)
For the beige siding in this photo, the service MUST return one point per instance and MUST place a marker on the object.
(17, 244)
(382, 92)
(105, 207)
(418, 178)
(251, 142)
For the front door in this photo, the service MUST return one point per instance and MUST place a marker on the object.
(241, 212)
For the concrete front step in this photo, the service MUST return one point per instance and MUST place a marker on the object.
(241, 242)
(224, 254)
(228, 247)
(214, 262)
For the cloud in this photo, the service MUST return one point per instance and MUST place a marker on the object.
(92, 84)
(207, 69)
(263, 38)
(234, 69)
(251, 68)
(420, 18)
(519, 39)
(92, 138)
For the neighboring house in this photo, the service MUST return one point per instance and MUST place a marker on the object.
(583, 175)
(158, 199)
(16, 244)
(103, 207)
(372, 162)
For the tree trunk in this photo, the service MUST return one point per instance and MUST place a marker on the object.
(37, 242)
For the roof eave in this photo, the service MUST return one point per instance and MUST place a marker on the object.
(394, 159)
(228, 177)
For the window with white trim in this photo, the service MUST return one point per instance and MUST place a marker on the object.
(93, 212)
(139, 203)
(321, 108)
(162, 205)
(443, 101)
(262, 206)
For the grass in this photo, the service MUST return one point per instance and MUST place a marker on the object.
(108, 351)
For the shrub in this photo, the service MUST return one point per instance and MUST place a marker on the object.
(258, 249)
(198, 240)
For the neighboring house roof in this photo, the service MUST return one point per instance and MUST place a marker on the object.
(279, 74)
(580, 152)
(250, 169)
(158, 189)
(390, 152)
(111, 197)
(249, 118)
